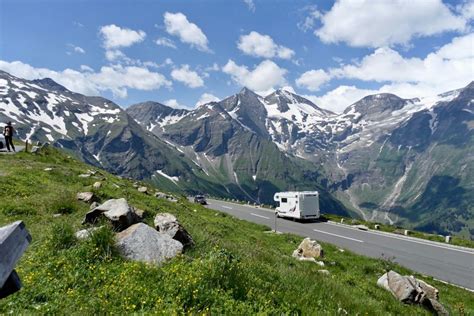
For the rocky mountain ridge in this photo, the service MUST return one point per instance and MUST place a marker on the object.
(377, 156)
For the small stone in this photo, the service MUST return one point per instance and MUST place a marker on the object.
(48, 169)
(97, 185)
(143, 190)
(326, 272)
(140, 214)
(168, 224)
(87, 197)
(377, 227)
(57, 215)
(84, 175)
(341, 250)
(86, 233)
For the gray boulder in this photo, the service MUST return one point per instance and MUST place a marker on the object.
(168, 224)
(14, 239)
(308, 249)
(409, 289)
(142, 243)
(117, 211)
(402, 287)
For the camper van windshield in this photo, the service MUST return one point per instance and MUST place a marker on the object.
(284, 200)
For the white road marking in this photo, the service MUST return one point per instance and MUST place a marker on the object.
(408, 239)
(353, 239)
(228, 207)
(259, 215)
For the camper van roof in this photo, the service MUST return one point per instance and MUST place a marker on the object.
(298, 192)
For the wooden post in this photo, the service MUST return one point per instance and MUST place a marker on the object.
(26, 146)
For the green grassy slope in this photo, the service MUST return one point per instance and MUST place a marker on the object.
(235, 267)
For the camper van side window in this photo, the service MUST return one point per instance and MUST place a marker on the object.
(284, 200)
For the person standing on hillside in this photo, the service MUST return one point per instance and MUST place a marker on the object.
(8, 132)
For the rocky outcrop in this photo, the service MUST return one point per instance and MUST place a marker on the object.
(408, 289)
(117, 211)
(142, 243)
(168, 224)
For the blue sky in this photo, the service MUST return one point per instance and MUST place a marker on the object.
(180, 52)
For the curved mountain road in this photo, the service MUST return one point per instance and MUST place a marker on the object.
(445, 262)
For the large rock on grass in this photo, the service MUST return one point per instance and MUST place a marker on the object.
(408, 289)
(142, 243)
(117, 211)
(167, 223)
(308, 249)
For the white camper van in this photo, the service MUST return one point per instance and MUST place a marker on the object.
(300, 205)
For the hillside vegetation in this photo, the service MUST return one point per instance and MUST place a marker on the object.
(236, 267)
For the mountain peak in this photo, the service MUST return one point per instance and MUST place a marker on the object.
(50, 84)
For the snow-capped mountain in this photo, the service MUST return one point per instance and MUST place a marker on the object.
(47, 110)
(377, 156)
(93, 128)
(385, 158)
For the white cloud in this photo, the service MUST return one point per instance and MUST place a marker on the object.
(450, 67)
(86, 68)
(447, 68)
(75, 49)
(466, 9)
(187, 76)
(163, 41)
(338, 99)
(250, 4)
(265, 76)
(313, 79)
(309, 21)
(206, 98)
(115, 54)
(367, 23)
(174, 104)
(177, 24)
(114, 36)
(259, 45)
(80, 50)
(116, 79)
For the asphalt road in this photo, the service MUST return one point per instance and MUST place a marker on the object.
(442, 261)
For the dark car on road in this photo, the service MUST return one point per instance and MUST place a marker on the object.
(201, 199)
